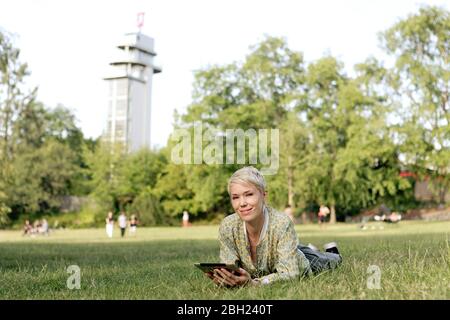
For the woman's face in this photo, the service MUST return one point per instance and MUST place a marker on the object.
(247, 201)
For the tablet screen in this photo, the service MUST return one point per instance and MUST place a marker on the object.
(210, 266)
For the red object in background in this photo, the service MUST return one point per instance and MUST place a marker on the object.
(140, 19)
(405, 174)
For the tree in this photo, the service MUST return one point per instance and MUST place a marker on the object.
(43, 166)
(349, 161)
(173, 191)
(420, 45)
(104, 163)
(257, 93)
(148, 208)
(137, 172)
(40, 177)
(285, 185)
(126, 181)
(4, 211)
(12, 98)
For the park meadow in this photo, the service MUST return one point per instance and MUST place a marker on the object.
(366, 138)
(408, 260)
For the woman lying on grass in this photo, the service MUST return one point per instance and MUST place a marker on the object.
(262, 240)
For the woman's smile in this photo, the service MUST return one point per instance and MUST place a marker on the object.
(245, 211)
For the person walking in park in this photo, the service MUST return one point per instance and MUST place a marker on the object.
(322, 214)
(263, 241)
(185, 218)
(109, 224)
(133, 224)
(123, 222)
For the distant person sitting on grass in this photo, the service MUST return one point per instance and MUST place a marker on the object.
(394, 217)
(262, 240)
(36, 228)
(43, 229)
(27, 228)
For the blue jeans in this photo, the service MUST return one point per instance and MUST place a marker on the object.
(320, 261)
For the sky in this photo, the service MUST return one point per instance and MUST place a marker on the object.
(68, 44)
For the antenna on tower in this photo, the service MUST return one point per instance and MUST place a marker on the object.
(140, 20)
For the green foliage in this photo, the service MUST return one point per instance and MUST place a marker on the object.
(172, 190)
(41, 176)
(420, 45)
(350, 160)
(4, 218)
(339, 144)
(39, 147)
(120, 179)
(148, 209)
(104, 163)
(286, 186)
(139, 171)
(41, 166)
(257, 93)
(73, 220)
(253, 94)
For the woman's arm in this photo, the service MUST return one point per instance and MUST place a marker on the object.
(228, 254)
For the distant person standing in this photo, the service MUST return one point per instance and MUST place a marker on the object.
(322, 214)
(123, 221)
(109, 224)
(133, 224)
(289, 212)
(185, 219)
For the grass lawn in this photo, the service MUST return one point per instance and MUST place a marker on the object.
(413, 257)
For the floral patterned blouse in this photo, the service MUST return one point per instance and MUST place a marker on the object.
(277, 255)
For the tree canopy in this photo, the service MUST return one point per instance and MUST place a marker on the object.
(343, 137)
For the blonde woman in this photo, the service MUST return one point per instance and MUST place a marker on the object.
(263, 241)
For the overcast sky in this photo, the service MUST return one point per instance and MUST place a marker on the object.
(68, 43)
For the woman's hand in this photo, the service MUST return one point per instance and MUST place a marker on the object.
(223, 277)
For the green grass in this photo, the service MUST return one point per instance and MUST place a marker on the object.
(414, 259)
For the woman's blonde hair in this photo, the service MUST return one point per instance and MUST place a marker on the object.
(248, 175)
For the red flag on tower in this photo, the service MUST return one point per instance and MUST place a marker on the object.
(140, 20)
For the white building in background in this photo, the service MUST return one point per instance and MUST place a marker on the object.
(130, 91)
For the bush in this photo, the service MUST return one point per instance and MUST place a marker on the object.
(4, 219)
(148, 209)
(87, 217)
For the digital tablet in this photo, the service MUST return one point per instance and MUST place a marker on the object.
(210, 266)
